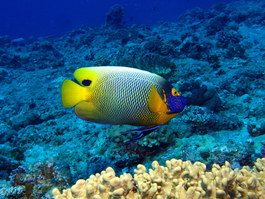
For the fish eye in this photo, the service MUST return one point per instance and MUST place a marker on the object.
(86, 82)
(174, 92)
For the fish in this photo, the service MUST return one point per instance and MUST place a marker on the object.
(119, 95)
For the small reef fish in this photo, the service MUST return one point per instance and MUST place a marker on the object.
(122, 95)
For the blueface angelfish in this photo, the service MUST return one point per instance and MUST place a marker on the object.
(122, 95)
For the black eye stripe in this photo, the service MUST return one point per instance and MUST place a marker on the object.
(86, 82)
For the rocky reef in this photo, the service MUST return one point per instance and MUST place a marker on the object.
(214, 57)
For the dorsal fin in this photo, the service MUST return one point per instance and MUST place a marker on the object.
(88, 73)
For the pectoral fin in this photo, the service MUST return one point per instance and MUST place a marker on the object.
(156, 103)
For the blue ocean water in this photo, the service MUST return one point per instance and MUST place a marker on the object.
(212, 52)
(25, 18)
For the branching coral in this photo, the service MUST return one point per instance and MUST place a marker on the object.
(179, 179)
(106, 185)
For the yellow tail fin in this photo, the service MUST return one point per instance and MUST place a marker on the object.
(72, 93)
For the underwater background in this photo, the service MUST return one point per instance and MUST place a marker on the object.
(25, 18)
(212, 52)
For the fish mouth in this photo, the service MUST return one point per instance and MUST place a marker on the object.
(176, 104)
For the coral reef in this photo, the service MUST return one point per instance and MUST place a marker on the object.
(34, 182)
(179, 179)
(214, 57)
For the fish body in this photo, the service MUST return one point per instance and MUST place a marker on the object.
(121, 95)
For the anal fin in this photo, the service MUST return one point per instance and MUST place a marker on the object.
(87, 111)
(144, 131)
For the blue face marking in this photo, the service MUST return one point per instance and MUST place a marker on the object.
(176, 104)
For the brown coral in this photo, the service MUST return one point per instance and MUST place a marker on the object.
(179, 180)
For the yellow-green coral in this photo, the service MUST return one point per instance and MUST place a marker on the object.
(178, 180)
